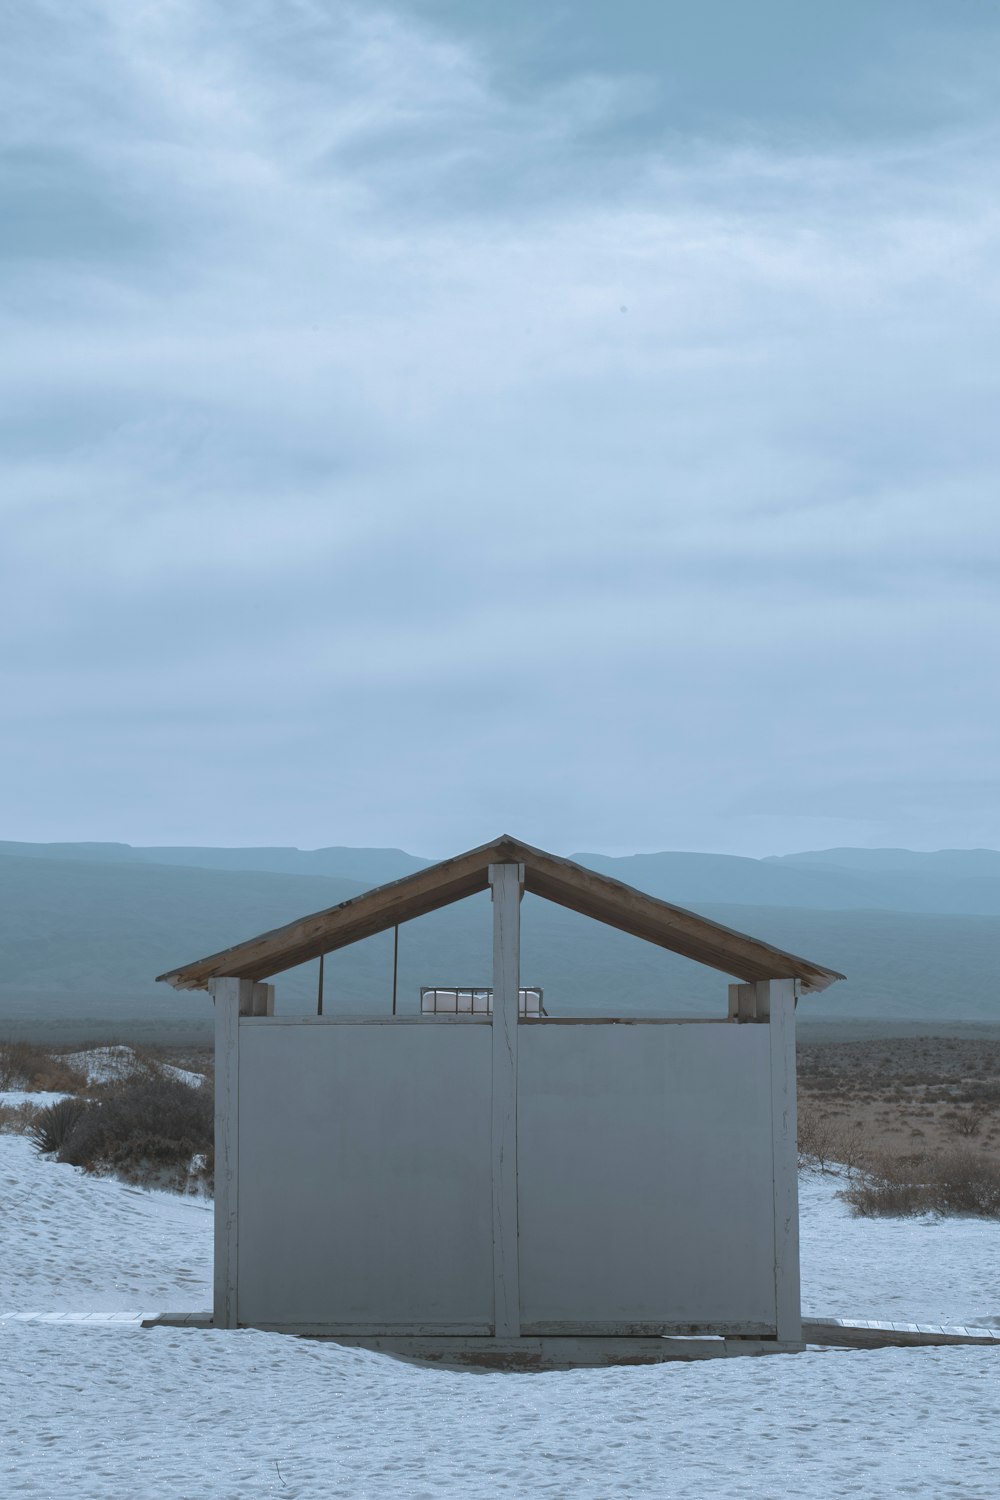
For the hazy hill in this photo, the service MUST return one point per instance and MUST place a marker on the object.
(369, 866)
(82, 940)
(965, 881)
(960, 881)
(948, 863)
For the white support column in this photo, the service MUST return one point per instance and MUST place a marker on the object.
(776, 1005)
(506, 882)
(233, 998)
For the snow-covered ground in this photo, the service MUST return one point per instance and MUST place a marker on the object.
(108, 1064)
(36, 1097)
(99, 1412)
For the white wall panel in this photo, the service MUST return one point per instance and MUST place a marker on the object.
(365, 1186)
(645, 1177)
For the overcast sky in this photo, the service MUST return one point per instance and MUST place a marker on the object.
(574, 419)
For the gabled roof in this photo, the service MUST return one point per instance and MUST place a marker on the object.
(559, 880)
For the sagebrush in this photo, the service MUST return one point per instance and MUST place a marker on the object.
(23, 1065)
(959, 1182)
(147, 1128)
(17, 1119)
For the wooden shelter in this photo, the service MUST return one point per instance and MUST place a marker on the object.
(509, 1185)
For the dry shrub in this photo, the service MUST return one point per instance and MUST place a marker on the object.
(147, 1129)
(957, 1182)
(825, 1145)
(26, 1066)
(966, 1122)
(17, 1119)
(145, 1126)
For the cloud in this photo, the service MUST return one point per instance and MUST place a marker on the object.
(381, 465)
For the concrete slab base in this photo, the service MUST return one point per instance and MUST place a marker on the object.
(564, 1353)
(529, 1353)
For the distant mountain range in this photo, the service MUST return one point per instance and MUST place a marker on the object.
(962, 881)
(84, 928)
(369, 866)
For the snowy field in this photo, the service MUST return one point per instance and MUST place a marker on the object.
(102, 1411)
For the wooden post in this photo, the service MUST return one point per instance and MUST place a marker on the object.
(742, 1002)
(262, 1002)
(233, 998)
(506, 882)
(776, 1003)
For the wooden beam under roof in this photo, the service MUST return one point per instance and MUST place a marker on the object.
(547, 875)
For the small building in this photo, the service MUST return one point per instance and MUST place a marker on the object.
(481, 1180)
